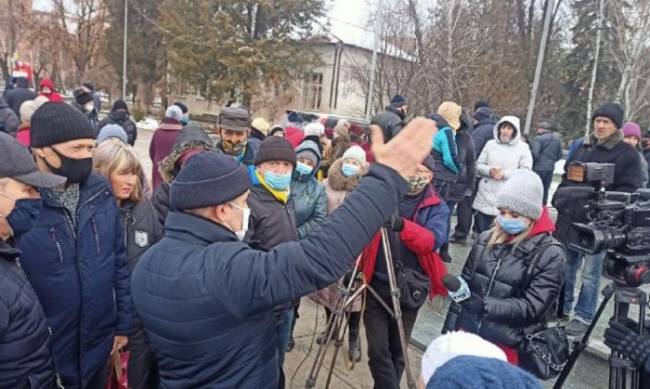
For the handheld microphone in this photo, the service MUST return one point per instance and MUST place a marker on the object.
(457, 287)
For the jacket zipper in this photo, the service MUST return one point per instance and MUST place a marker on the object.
(56, 242)
(94, 227)
(491, 285)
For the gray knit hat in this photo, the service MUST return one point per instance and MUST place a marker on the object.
(522, 193)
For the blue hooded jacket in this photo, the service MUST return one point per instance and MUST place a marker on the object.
(308, 195)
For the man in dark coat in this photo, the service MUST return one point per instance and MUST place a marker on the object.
(9, 122)
(121, 116)
(233, 126)
(25, 360)
(606, 145)
(74, 256)
(21, 93)
(272, 219)
(391, 120)
(484, 122)
(547, 150)
(85, 103)
(89, 87)
(225, 291)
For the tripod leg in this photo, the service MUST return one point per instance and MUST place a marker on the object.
(396, 307)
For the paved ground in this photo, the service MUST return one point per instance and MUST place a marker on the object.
(590, 372)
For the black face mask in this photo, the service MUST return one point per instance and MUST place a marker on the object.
(75, 170)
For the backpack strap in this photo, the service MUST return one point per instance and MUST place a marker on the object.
(537, 254)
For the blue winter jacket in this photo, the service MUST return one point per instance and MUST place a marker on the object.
(81, 277)
(483, 130)
(206, 299)
(445, 143)
(24, 337)
(308, 196)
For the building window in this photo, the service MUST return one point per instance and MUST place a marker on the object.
(313, 90)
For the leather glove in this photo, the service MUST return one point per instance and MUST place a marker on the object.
(395, 223)
(474, 304)
(633, 346)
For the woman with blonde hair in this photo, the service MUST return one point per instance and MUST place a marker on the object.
(514, 270)
(119, 164)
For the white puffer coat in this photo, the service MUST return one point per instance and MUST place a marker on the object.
(508, 156)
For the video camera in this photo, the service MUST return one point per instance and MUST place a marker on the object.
(616, 222)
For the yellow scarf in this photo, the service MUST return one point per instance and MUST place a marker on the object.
(280, 195)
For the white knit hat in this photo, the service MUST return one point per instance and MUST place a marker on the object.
(355, 152)
(174, 112)
(314, 129)
(453, 344)
(28, 108)
(522, 193)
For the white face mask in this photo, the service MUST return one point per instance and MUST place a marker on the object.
(89, 107)
(246, 213)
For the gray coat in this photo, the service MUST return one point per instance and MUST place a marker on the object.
(546, 149)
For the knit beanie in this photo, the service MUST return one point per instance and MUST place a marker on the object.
(275, 128)
(261, 125)
(481, 103)
(295, 117)
(454, 344)
(472, 372)
(612, 111)
(174, 112)
(355, 152)
(82, 97)
(523, 193)
(112, 131)
(294, 136)
(120, 104)
(629, 129)
(28, 108)
(314, 129)
(208, 179)
(55, 123)
(451, 112)
(275, 149)
(398, 101)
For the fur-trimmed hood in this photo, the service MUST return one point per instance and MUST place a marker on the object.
(337, 181)
(190, 137)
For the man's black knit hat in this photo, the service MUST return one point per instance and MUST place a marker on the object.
(612, 111)
(208, 179)
(55, 123)
(274, 148)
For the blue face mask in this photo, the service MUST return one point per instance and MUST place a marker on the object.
(277, 181)
(23, 216)
(512, 226)
(350, 170)
(304, 169)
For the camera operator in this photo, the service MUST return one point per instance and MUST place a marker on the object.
(605, 145)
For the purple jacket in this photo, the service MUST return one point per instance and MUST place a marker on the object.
(161, 145)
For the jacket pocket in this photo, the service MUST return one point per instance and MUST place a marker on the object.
(56, 242)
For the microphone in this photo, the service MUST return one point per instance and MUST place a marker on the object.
(457, 287)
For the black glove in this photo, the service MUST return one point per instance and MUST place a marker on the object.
(474, 304)
(633, 346)
(395, 223)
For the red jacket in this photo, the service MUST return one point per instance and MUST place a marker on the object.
(418, 239)
(53, 96)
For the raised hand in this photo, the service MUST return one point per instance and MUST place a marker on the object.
(407, 149)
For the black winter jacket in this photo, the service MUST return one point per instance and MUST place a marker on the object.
(467, 155)
(483, 132)
(496, 275)
(24, 336)
(142, 228)
(9, 121)
(546, 149)
(161, 203)
(390, 121)
(122, 119)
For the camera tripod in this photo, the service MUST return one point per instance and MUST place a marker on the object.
(622, 373)
(337, 323)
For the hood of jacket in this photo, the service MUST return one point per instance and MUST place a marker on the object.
(515, 123)
(119, 116)
(396, 111)
(46, 82)
(337, 181)
(189, 138)
(543, 225)
(308, 145)
(22, 82)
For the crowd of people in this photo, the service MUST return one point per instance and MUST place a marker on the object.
(199, 272)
